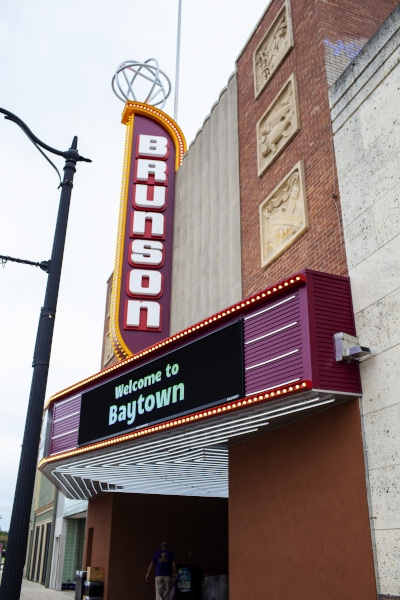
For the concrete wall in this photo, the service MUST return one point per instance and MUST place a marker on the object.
(72, 508)
(57, 561)
(65, 508)
(206, 272)
(366, 124)
(43, 507)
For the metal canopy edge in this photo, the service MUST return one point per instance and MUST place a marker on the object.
(192, 460)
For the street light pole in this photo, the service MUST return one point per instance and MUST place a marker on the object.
(10, 587)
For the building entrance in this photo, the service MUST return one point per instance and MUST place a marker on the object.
(127, 529)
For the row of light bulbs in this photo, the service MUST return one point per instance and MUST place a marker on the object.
(160, 116)
(276, 393)
(119, 350)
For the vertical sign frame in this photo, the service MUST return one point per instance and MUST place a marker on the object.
(141, 289)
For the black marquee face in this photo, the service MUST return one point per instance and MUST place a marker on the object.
(207, 372)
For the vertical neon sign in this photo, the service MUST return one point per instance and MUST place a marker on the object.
(141, 291)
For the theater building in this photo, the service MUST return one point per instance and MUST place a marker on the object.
(227, 418)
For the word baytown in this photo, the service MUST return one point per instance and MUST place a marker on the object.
(146, 404)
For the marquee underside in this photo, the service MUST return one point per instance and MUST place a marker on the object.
(189, 461)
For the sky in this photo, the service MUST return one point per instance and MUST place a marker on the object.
(57, 60)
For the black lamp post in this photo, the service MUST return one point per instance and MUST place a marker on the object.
(10, 587)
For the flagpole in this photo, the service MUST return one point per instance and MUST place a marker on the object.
(178, 52)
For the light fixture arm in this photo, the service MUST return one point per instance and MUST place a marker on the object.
(71, 153)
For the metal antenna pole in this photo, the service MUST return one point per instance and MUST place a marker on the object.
(10, 587)
(178, 53)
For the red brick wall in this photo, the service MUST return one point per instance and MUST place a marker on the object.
(346, 26)
(322, 246)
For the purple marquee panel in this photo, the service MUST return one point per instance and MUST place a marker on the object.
(64, 430)
(330, 310)
(286, 338)
(273, 345)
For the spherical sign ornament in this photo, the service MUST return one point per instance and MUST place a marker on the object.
(141, 82)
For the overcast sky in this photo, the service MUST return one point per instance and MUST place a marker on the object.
(56, 64)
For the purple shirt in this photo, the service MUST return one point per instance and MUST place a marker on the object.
(163, 560)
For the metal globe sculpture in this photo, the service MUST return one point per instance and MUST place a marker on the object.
(141, 82)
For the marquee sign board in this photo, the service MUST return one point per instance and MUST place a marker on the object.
(206, 372)
(288, 349)
(288, 369)
(140, 299)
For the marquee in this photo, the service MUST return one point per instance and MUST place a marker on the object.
(141, 290)
(162, 420)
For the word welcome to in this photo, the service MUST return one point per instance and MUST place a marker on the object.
(133, 386)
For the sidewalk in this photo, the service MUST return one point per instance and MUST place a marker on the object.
(35, 591)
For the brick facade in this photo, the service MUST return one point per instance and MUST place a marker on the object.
(321, 247)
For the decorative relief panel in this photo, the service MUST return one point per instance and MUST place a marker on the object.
(272, 49)
(278, 125)
(283, 215)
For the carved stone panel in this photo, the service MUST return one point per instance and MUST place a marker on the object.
(272, 49)
(278, 125)
(283, 215)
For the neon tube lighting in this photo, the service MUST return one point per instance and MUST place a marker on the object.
(270, 360)
(262, 337)
(269, 308)
(67, 417)
(55, 437)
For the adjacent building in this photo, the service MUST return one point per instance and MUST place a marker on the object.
(365, 122)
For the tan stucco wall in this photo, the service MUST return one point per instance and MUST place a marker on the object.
(206, 273)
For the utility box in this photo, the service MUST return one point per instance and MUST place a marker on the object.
(188, 585)
(80, 580)
(93, 590)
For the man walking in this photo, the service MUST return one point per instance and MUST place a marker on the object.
(164, 560)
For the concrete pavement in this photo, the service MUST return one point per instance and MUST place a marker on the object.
(35, 591)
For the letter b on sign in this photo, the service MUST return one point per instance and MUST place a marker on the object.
(153, 145)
